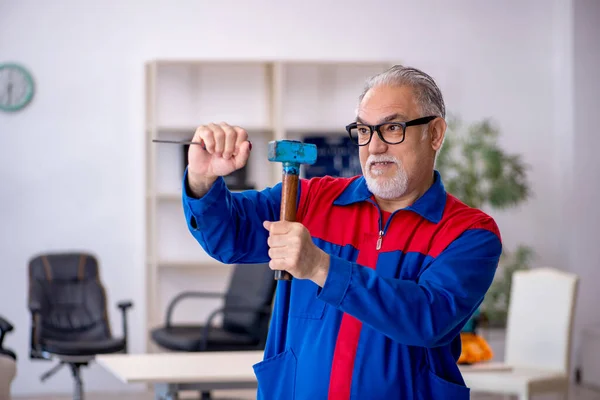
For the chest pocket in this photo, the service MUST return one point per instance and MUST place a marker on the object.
(304, 302)
(398, 265)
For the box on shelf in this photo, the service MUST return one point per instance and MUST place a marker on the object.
(337, 156)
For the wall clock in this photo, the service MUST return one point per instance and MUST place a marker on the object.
(16, 87)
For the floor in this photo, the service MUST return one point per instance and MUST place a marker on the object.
(577, 393)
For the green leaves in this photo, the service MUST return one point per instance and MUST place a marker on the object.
(476, 170)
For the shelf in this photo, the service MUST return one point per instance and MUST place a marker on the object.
(301, 133)
(323, 95)
(170, 197)
(167, 196)
(186, 132)
(186, 62)
(320, 130)
(271, 100)
(194, 94)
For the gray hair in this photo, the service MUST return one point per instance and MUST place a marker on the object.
(429, 95)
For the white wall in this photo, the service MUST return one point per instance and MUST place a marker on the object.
(72, 163)
(584, 186)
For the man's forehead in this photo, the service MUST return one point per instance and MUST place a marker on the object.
(371, 119)
(381, 102)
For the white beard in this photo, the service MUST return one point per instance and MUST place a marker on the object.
(385, 188)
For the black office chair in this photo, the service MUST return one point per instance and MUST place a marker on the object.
(246, 314)
(8, 361)
(67, 301)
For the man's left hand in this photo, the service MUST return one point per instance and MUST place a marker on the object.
(291, 249)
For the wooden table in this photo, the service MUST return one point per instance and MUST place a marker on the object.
(172, 372)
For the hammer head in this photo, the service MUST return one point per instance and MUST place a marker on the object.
(292, 153)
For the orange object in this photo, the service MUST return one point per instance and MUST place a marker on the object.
(474, 349)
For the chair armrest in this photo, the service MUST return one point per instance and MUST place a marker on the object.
(124, 306)
(188, 294)
(35, 352)
(489, 366)
(35, 306)
(5, 326)
(265, 310)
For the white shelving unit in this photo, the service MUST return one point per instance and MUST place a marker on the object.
(272, 100)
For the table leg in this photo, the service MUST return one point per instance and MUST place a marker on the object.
(165, 391)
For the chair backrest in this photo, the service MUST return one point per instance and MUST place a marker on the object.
(251, 286)
(66, 288)
(540, 319)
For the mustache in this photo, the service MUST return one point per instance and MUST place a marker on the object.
(382, 158)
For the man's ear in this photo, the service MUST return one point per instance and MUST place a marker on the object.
(437, 128)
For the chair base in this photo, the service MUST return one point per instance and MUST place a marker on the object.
(75, 363)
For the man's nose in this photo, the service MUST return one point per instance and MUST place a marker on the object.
(377, 146)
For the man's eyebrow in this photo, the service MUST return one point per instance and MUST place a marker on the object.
(389, 118)
(393, 117)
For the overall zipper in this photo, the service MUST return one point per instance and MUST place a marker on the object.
(382, 229)
(379, 240)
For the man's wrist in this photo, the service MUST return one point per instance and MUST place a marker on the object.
(197, 187)
(322, 269)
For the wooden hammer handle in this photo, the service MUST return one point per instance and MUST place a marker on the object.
(289, 197)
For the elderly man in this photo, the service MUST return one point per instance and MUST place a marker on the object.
(388, 267)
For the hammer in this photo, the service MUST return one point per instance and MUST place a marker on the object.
(291, 153)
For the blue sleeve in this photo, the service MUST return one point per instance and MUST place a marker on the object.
(428, 312)
(228, 225)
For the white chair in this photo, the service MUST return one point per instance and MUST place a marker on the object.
(538, 338)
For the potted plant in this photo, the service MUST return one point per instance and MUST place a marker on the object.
(477, 171)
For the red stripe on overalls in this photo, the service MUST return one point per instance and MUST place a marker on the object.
(340, 380)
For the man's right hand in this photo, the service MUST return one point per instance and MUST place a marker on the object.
(227, 150)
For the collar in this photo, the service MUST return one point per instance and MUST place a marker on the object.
(429, 206)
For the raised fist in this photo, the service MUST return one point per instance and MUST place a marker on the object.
(224, 150)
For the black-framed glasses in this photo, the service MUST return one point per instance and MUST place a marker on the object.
(388, 132)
